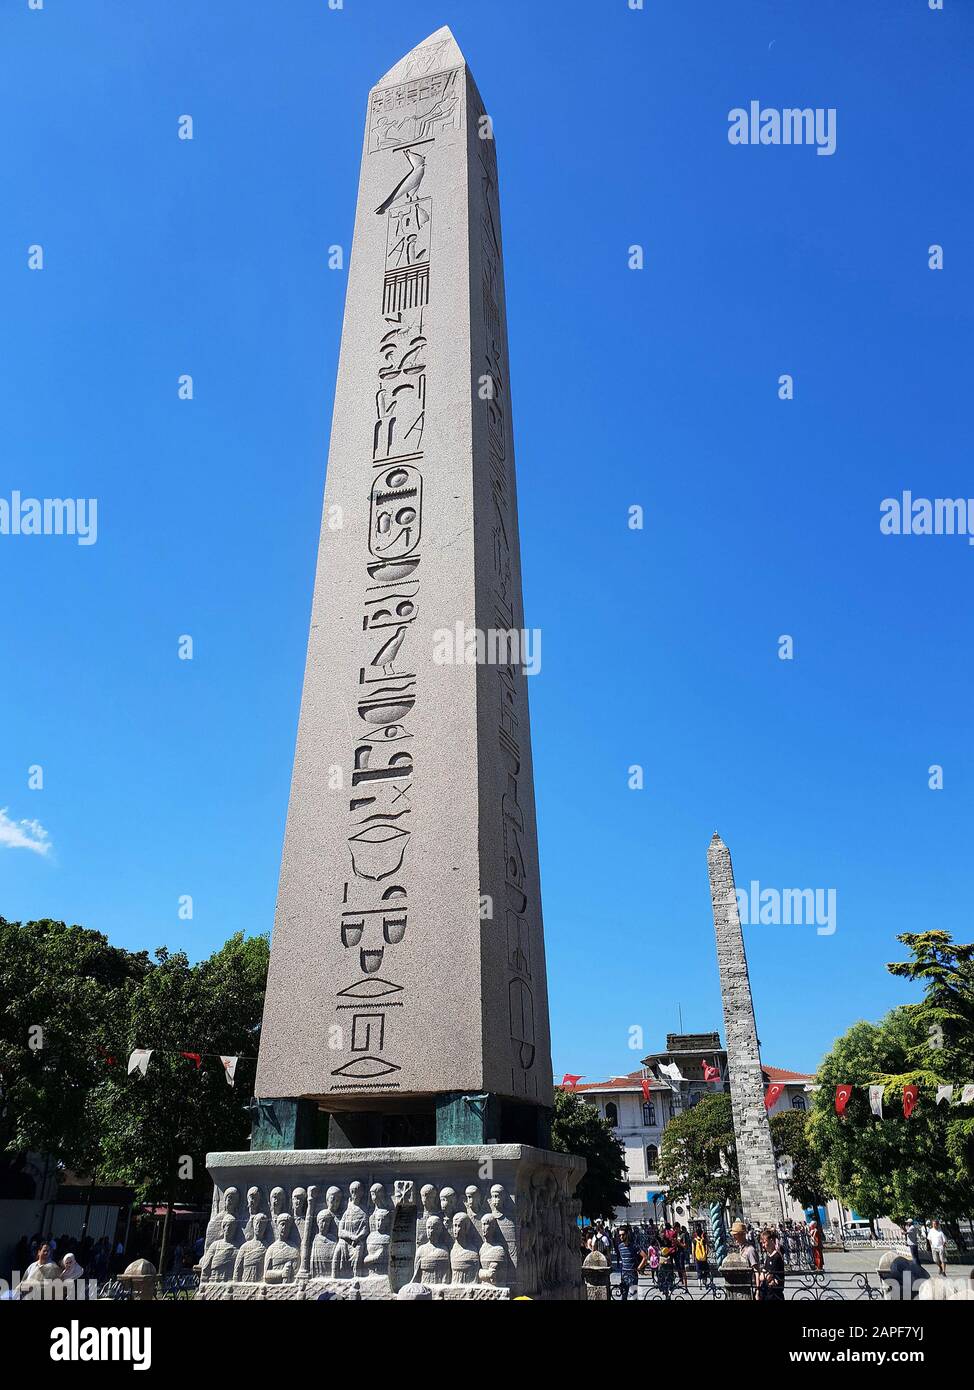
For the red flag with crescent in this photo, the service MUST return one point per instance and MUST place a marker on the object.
(647, 1089)
(710, 1073)
(843, 1094)
(569, 1081)
(772, 1094)
(911, 1094)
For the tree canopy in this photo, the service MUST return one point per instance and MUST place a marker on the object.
(578, 1128)
(72, 1007)
(698, 1155)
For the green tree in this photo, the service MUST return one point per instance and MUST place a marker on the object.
(62, 990)
(578, 1128)
(892, 1166)
(698, 1155)
(790, 1136)
(156, 1129)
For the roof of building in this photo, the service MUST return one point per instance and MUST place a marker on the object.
(633, 1081)
(782, 1074)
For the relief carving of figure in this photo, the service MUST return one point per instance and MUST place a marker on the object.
(471, 1202)
(326, 1241)
(228, 1207)
(299, 1211)
(254, 1204)
(493, 1254)
(278, 1204)
(429, 1200)
(448, 1205)
(249, 1268)
(281, 1259)
(216, 1266)
(465, 1252)
(380, 1231)
(353, 1231)
(433, 1256)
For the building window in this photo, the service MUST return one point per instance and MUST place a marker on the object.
(652, 1158)
(798, 1103)
(649, 1114)
(612, 1114)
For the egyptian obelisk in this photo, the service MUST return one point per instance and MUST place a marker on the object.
(404, 1058)
(755, 1155)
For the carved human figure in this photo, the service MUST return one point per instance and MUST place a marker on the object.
(228, 1207)
(281, 1258)
(254, 1205)
(427, 1196)
(493, 1254)
(465, 1251)
(278, 1204)
(496, 1200)
(353, 1231)
(216, 1266)
(326, 1241)
(448, 1205)
(380, 1231)
(471, 1202)
(249, 1267)
(433, 1257)
(299, 1211)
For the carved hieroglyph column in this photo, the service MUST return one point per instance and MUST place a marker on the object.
(407, 959)
(755, 1156)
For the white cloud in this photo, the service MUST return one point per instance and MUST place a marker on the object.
(23, 834)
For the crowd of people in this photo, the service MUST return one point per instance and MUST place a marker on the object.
(668, 1253)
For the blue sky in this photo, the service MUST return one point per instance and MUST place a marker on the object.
(656, 388)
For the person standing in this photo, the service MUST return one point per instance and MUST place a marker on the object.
(771, 1279)
(817, 1243)
(938, 1246)
(631, 1261)
(700, 1255)
(912, 1233)
(746, 1251)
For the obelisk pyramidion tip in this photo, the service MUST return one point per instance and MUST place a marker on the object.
(438, 53)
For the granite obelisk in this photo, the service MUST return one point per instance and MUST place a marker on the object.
(407, 961)
(404, 1075)
(755, 1155)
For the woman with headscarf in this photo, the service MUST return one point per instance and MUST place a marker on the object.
(70, 1269)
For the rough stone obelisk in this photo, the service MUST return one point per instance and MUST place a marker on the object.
(755, 1155)
(405, 1026)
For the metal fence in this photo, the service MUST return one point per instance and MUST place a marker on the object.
(801, 1286)
(179, 1286)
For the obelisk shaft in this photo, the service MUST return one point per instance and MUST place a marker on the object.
(755, 1155)
(407, 960)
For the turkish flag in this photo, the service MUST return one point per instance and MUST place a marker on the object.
(710, 1073)
(569, 1081)
(771, 1095)
(843, 1094)
(647, 1090)
(193, 1057)
(910, 1095)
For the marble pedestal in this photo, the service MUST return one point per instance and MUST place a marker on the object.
(481, 1222)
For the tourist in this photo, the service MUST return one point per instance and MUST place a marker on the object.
(70, 1269)
(938, 1246)
(912, 1233)
(43, 1258)
(771, 1278)
(631, 1261)
(746, 1250)
(681, 1252)
(700, 1255)
(817, 1243)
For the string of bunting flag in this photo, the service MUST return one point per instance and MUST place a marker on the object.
(139, 1060)
(911, 1094)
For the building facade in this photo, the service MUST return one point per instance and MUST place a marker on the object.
(639, 1106)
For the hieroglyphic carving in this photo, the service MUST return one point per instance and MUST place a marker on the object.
(374, 913)
(416, 110)
(520, 894)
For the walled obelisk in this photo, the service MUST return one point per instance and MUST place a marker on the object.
(755, 1155)
(404, 1084)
